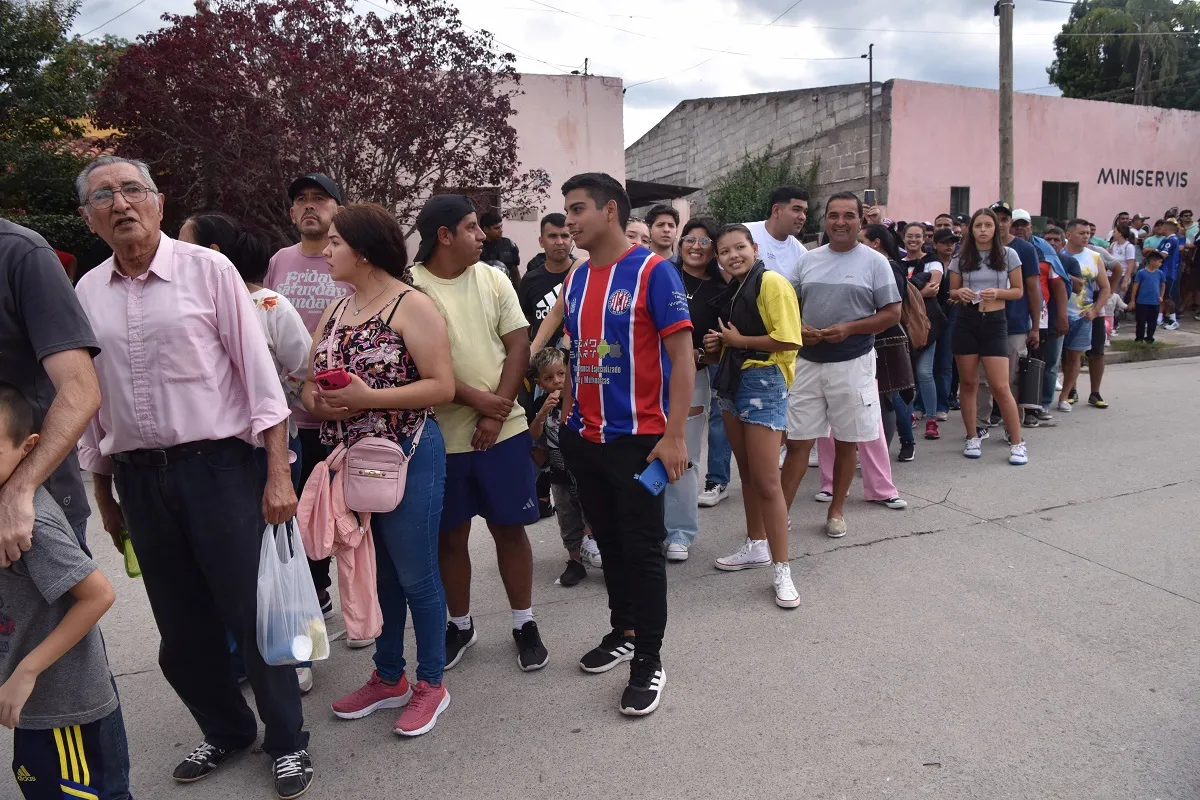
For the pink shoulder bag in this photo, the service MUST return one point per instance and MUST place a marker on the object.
(375, 469)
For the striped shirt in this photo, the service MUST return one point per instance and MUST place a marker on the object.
(617, 316)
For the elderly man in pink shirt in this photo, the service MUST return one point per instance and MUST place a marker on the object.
(188, 390)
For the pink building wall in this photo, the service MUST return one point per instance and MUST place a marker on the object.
(565, 124)
(945, 136)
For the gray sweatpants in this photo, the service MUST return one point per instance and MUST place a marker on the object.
(570, 516)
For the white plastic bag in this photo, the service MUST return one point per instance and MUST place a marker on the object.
(291, 628)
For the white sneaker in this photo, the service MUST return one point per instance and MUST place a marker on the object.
(823, 497)
(713, 493)
(1064, 407)
(973, 448)
(813, 461)
(304, 675)
(677, 552)
(1018, 455)
(589, 551)
(1058, 383)
(894, 503)
(1171, 326)
(782, 455)
(1160, 318)
(786, 595)
(359, 644)
(754, 553)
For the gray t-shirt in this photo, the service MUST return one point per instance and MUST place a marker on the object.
(34, 598)
(40, 316)
(843, 287)
(985, 277)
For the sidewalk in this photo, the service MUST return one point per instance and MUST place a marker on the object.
(1183, 343)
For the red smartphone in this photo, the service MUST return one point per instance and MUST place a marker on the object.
(332, 379)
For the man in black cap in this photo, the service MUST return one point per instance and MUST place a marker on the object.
(301, 274)
(489, 463)
(960, 224)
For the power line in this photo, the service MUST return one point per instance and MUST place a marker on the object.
(114, 19)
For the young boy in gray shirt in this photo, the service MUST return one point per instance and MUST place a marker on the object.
(57, 694)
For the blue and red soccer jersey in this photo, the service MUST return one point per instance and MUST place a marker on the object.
(617, 317)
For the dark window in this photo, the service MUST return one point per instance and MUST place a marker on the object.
(1060, 201)
(960, 200)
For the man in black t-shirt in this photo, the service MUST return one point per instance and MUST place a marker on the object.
(541, 286)
(46, 351)
(497, 249)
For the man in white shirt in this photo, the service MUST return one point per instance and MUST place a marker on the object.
(777, 236)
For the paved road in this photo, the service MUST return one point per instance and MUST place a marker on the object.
(1017, 633)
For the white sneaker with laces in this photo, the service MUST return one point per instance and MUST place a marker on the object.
(973, 448)
(589, 552)
(677, 552)
(823, 497)
(1064, 406)
(713, 493)
(304, 675)
(1018, 455)
(786, 595)
(813, 461)
(754, 553)
(894, 503)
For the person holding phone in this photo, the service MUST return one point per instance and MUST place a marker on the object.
(756, 340)
(632, 373)
(390, 366)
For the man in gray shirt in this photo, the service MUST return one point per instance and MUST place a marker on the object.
(847, 295)
(46, 351)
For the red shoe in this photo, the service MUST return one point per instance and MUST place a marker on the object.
(372, 697)
(931, 430)
(428, 702)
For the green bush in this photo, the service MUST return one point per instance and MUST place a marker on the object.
(744, 194)
(68, 233)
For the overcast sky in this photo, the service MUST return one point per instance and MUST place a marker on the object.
(656, 46)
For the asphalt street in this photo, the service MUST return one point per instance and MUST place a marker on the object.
(1018, 632)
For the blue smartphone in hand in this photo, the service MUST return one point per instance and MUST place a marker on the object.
(654, 477)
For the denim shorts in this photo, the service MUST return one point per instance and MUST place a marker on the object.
(762, 398)
(1079, 336)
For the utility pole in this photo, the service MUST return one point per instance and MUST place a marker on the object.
(870, 57)
(1004, 9)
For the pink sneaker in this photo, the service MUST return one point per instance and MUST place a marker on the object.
(428, 702)
(372, 697)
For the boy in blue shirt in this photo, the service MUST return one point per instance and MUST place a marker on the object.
(1149, 286)
(57, 694)
(1172, 249)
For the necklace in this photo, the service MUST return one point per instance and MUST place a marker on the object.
(359, 309)
(691, 291)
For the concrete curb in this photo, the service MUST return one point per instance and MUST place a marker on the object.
(1133, 356)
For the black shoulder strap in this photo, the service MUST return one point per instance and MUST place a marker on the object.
(388, 322)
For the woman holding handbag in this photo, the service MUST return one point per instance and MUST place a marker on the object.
(381, 363)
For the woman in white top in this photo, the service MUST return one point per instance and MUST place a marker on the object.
(1125, 251)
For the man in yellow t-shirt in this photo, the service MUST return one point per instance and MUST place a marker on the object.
(489, 461)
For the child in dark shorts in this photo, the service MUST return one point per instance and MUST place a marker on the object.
(57, 695)
(550, 373)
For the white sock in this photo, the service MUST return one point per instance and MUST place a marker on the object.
(521, 616)
(462, 623)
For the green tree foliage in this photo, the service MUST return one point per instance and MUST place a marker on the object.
(744, 194)
(1144, 52)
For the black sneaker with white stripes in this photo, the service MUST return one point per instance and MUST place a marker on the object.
(613, 649)
(293, 774)
(200, 763)
(647, 679)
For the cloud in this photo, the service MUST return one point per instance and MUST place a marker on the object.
(640, 41)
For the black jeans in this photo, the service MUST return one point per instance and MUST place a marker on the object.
(312, 452)
(197, 527)
(627, 523)
(1147, 321)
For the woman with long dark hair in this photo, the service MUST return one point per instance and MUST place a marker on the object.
(703, 283)
(983, 276)
(925, 272)
(897, 419)
(392, 341)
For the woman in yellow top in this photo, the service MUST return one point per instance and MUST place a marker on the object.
(758, 336)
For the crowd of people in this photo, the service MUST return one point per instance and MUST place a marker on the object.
(213, 389)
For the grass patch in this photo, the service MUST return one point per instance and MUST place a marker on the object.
(1130, 346)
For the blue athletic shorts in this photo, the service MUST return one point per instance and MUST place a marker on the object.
(84, 761)
(1079, 336)
(499, 485)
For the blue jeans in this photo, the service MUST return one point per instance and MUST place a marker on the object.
(681, 513)
(943, 363)
(719, 451)
(926, 386)
(1051, 353)
(406, 559)
(902, 414)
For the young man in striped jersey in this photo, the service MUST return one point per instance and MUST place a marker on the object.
(631, 375)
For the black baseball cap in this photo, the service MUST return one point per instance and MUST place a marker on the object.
(323, 182)
(1001, 207)
(962, 219)
(944, 235)
(440, 211)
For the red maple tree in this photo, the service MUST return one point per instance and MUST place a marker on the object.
(231, 104)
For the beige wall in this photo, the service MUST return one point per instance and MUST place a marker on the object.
(566, 124)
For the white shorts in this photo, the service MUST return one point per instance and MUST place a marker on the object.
(839, 397)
